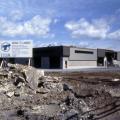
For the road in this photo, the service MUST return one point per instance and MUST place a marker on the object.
(97, 69)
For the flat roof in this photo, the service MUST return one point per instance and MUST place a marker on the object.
(75, 47)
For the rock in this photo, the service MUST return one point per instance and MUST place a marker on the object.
(17, 93)
(71, 115)
(20, 90)
(52, 79)
(42, 72)
(7, 87)
(4, 74)
(42, 91)
(54, 87)
(19, 80)
(41, 84)
(65, 87)
(84, 106)
(32, 76)
(20, 85)
(10, 94)
(48, 110)
(20, 112)
(115, 79)
(10, 74)
(63, 107)
(3, 99)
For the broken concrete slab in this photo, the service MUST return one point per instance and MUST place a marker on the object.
(71, 114)
(32, 76)
(10, 94)
(48, 110)
(42, 90)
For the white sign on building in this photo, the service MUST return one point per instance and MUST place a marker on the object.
(14, 49)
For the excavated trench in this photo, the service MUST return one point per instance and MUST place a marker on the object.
(99, 93)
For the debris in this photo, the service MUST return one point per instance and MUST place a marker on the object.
(71, 114)
(48, 110)
(10, 94)
(32, 76)
(26, 94)
(20, 112)
(42, 91)
(115, 79)
(17, 93)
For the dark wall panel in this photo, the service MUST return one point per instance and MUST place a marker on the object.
(51, 51)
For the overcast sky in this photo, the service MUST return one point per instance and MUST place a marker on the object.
(85, 23)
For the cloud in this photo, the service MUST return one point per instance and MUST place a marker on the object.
(96, 29)
(56, 21)
(114, 35)
(37, 26)
(83, 28)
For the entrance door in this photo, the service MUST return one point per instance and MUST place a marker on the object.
(54, 62)
(110, 56)
(100, 61)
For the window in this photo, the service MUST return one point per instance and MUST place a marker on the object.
(84, 52)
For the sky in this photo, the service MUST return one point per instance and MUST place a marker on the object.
(83, 23)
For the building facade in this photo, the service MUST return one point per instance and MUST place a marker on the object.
(69, 57)
(79, 57)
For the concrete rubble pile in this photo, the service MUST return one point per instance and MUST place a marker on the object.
(27, 94)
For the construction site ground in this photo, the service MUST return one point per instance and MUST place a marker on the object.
(26, 93)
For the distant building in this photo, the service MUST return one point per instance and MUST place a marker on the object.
(66, 57)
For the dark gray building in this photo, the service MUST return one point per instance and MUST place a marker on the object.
(110, 54)
(50, 57)
(63, 57)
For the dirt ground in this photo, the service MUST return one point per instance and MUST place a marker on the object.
(99, 90)
(27, 94)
